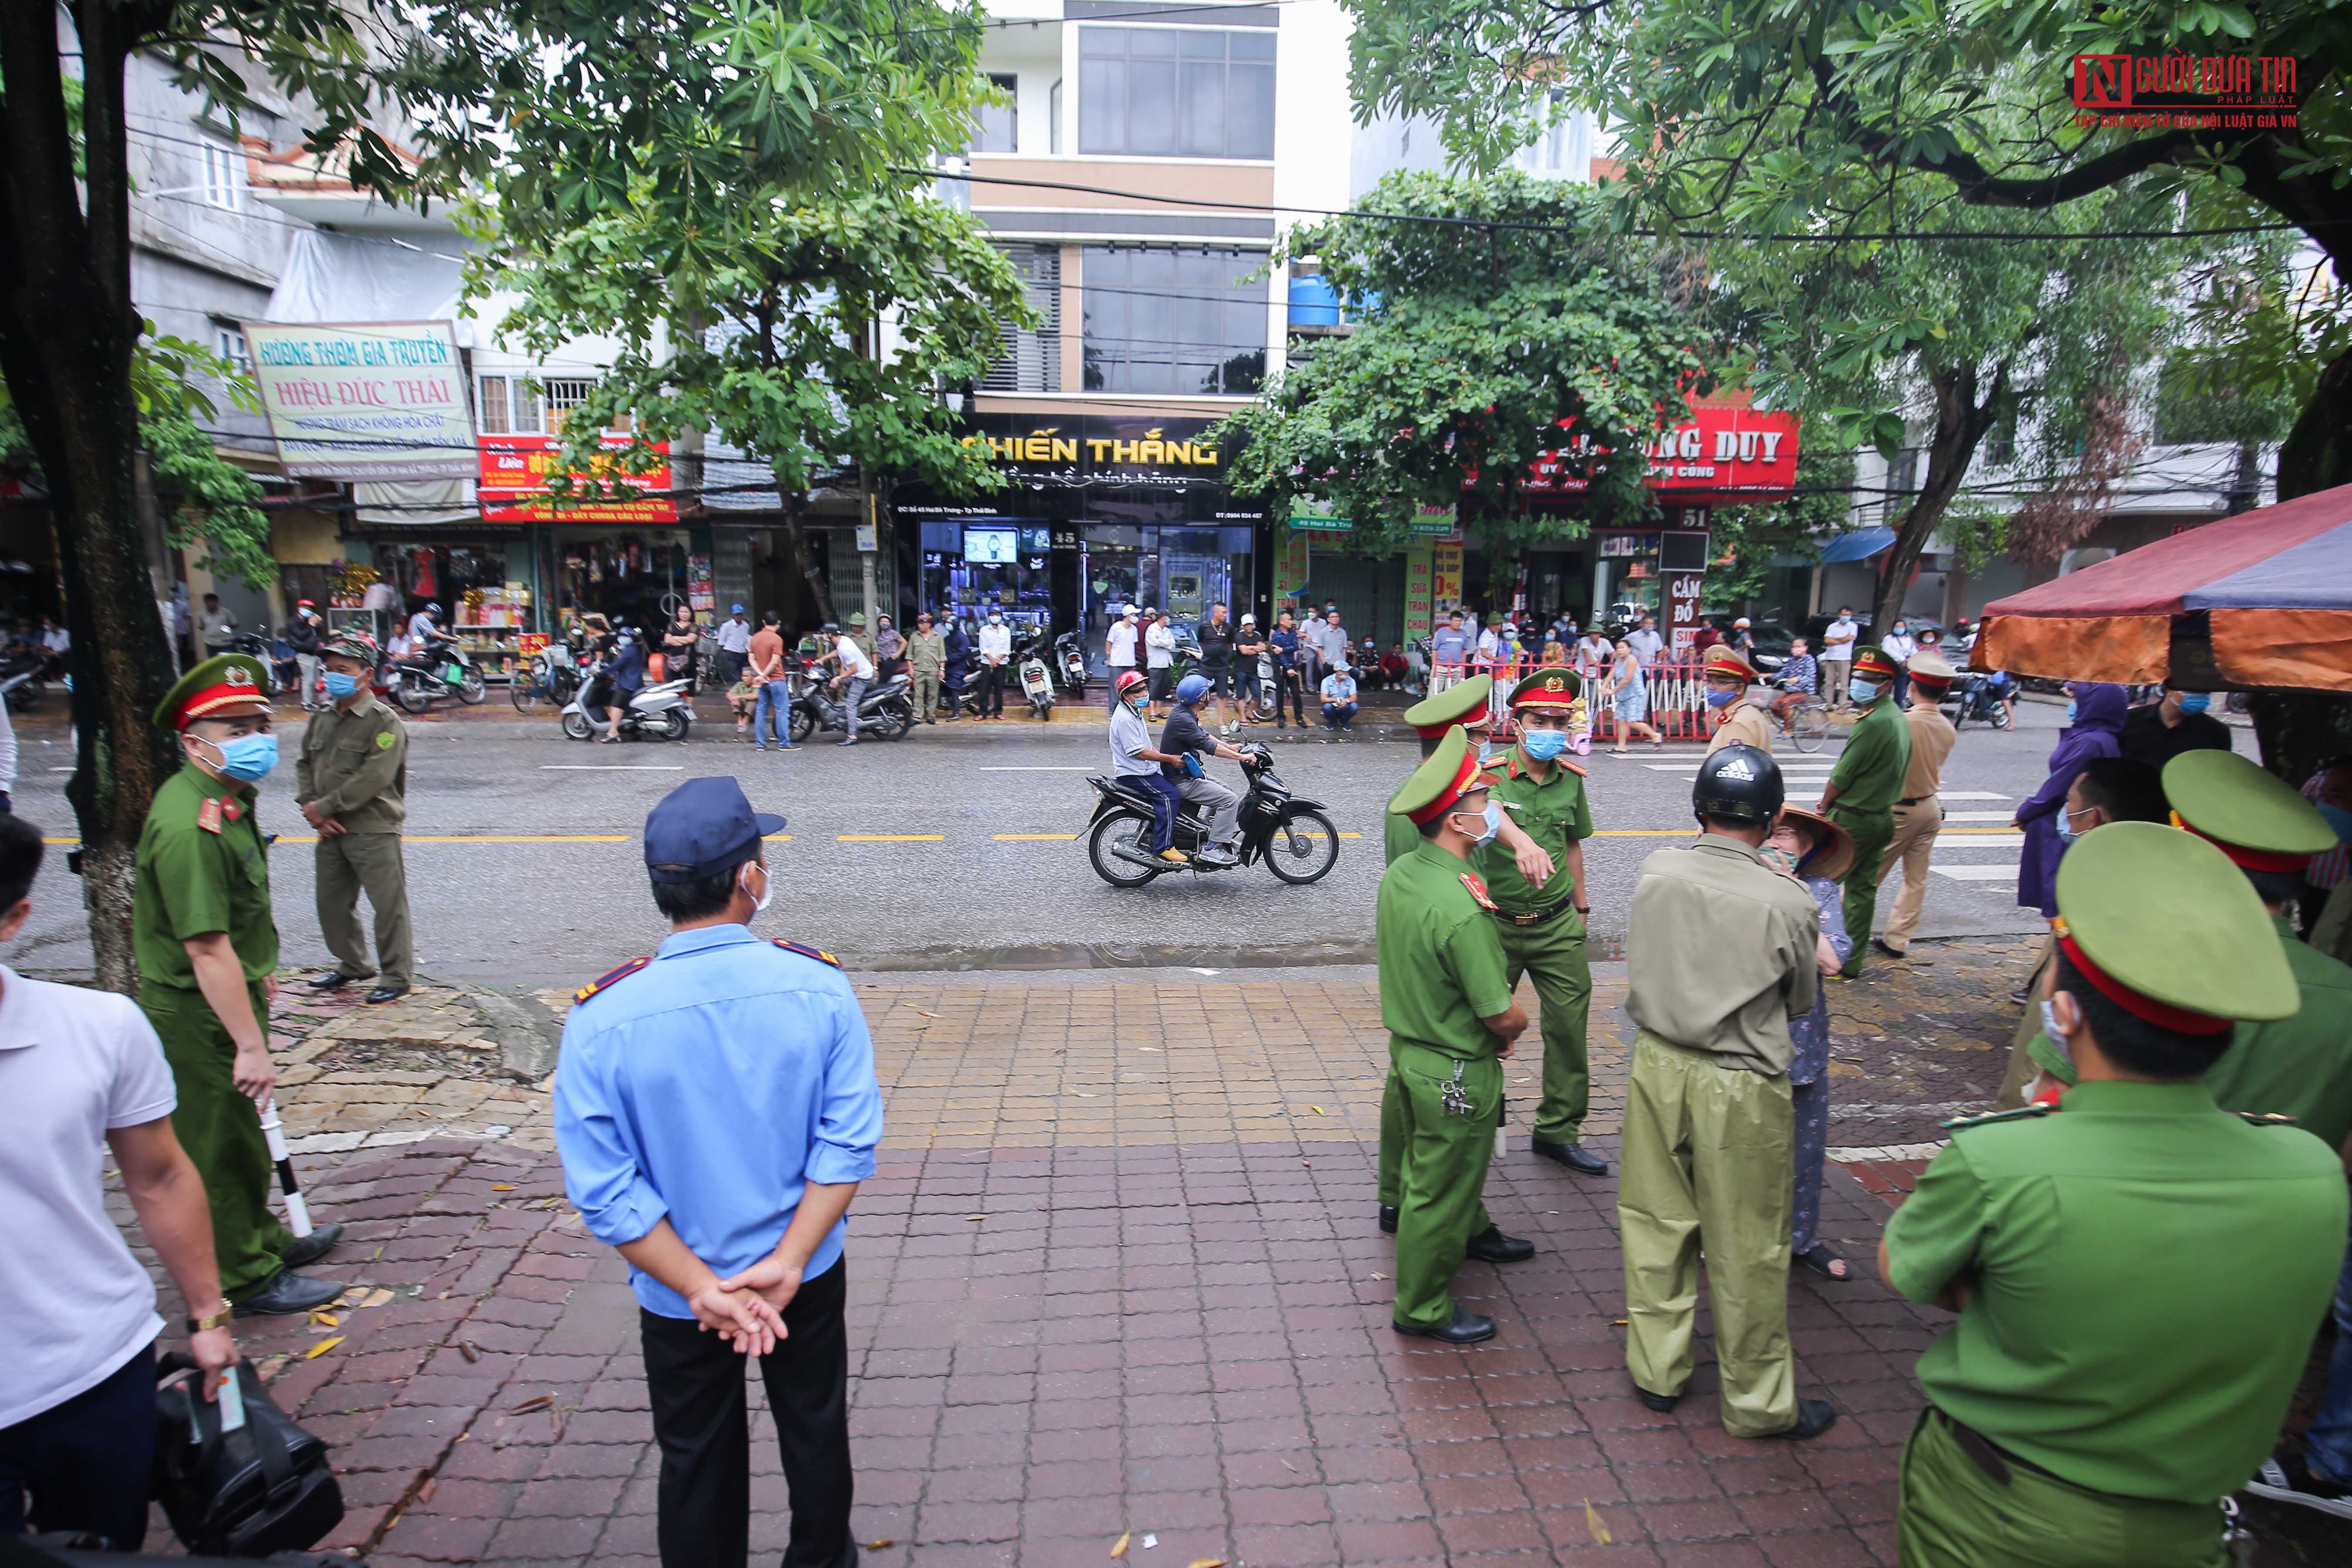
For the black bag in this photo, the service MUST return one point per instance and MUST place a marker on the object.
(264, 1487)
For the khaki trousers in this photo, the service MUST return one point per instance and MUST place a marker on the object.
(2022, 1068)
(1706, 1163)
(348, 863)
(927, 695)
(1914, 844)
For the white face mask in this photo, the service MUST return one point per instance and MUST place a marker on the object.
(767, 888)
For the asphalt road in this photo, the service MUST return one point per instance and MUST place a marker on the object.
(936, 853)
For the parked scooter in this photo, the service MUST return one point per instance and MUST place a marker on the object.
(1293, 835)
(1070, 664)
(1037, 675)
(659, 710)
(886, 711)
(443, 670)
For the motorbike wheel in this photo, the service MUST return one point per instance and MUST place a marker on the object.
(576, 726)
(2000, 717)
(410, 693)
(522, 687)
(1303, 849)
(1117, 827)
(561, 682)
(474, 691)
(804, 723)
(892, 720)
(674, 725)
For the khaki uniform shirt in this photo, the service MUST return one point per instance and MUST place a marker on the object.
(355, 763)
(926, 652)
(1554, 812)
(1869, 775)
(1744, 724)
(1932, 739)
(202, 866)
(2144, 1270)
(1719, 952)
(1441, 963)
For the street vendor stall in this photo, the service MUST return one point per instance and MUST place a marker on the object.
(2261, 601)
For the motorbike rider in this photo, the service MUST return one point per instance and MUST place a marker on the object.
(628, 673)
(425, 633)
(856, 673)
(1185, 736)
(1133, 762)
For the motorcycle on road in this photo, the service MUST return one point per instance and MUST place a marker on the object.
(1292, 835)
(659, 710)
(886, 711)
(443, 670)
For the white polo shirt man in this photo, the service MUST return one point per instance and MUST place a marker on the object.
(1118, 648)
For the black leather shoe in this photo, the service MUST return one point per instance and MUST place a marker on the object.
(1814, 1416)
(1575, 1156)
(1388, 1219)
(1661, 1402)
(287, 1293)
(312, 1248)
(333, 980)
(1878, 944)
(2021, 995)
(383, 994)
(1466, 1328)
(1491, 1246)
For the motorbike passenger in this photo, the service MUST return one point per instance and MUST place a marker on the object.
(1133, 762)
(627, 675)
(1185, 737)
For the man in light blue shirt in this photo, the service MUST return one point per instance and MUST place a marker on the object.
(1339, 700)
(716, 1109)
(1449, 653)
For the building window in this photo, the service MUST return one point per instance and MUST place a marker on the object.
(223, 171)
(1033, 360)
(998, 131)
(510, 405)
(229, 339)
(564, 394)
(1183, 321)
(1175, 92)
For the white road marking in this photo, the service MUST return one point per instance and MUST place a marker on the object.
(1979, 840)
(1976, 816)
(1036, 769)
(1973, 795)
(1977, 873)
(610, 768)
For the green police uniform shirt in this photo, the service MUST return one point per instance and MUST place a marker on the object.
(2143, 1270)
(1553, 812)
(355, 763)
(202, 867)
(1869, 775)
(1441, 963)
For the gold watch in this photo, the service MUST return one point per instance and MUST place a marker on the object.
(215, 1320)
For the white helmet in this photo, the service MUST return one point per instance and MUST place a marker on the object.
(1740, 622)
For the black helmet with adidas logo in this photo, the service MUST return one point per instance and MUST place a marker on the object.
(1738, 783)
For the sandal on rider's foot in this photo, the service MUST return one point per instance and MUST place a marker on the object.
(1825, 1263)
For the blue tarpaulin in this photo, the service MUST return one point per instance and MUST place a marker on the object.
(1859, 545)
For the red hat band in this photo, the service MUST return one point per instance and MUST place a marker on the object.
(2251, 859)
(238, 690)
(1445, 802)
(1874, 663)
(2161, 1013)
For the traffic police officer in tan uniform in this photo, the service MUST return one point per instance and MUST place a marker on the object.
(1918, 815)
(2137, 1273)
(207, 950)
(1720, 954)
(1446, 1003)
(351, 781)
(1541, 791)
(1736, 720)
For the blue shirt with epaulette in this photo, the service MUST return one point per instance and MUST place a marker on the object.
(708, 1085)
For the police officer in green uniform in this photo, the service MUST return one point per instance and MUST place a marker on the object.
(1541, 791)
(1447, 1005)
(351, 781)
(207, 947)
(2138, 1272)
(1720, 954)
(1863, 788)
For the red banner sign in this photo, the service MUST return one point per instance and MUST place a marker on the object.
(1728, 453)
(515, 470)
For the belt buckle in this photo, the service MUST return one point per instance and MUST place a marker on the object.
(1526, 920)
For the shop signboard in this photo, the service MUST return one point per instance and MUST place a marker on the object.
(1312, 516)
(1718, 452)
(1444, 578)
(1683, 590)
(364, 400)
(1418, 619)
(514, 476)
(1139, 449)
(1291, 561)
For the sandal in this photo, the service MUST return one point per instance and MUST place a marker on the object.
(1825, 1263)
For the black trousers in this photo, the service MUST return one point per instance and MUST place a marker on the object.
(1292, 685)
(85, 1461)
(695, 1384)
(991, 689)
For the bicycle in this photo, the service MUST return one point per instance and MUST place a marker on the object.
(1808, 725)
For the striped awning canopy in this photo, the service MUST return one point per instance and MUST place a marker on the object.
(2262, 599)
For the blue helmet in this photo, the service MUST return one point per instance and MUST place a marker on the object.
(1190, 689)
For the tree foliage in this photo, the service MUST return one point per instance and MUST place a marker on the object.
(1507, 325)
(1747, 539)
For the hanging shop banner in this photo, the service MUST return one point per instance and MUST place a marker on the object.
(515, 471)
(1291, 561)
(364, 400)
(1419, 619)
(1718, 452)
(1444, 578)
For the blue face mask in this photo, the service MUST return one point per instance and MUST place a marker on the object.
(248, 759)
(2069, 711)
(2196, 702)
(1862, 690)
(339, 685)
(1492, 817)
(1543, 745)
(2065, 821)
(1721, 699)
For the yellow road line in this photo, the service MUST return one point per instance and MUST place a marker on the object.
(890, 837)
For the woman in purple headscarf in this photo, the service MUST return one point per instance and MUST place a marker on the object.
(2094, 723)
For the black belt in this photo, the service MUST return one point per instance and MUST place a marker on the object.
(1988, 1456)
(1915, 800)
(1540, 916)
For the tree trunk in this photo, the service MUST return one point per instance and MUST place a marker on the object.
(67, 331)
(1961, 423)
(2317, 454)
(802, 561)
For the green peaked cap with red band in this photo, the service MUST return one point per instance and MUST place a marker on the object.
(1451, 771)
(2249, 813)
(1875, 663)
(2169, 930)
(1441, 710)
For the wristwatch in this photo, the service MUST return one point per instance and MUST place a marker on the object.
(215, 1320)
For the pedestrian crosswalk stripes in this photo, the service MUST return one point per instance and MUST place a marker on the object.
(1977, 873)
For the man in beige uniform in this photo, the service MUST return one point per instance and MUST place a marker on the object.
(1719, 955)
(1918, 814)
(1735, 721)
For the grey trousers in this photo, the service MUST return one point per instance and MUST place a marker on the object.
(853, 693)
(348, 863)
(1224, 808)
(308, 664)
